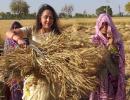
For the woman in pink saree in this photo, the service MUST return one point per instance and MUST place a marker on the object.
(112, 85)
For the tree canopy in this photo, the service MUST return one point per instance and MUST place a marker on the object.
(67, 10)
(104, 9)
(19, 7)
(127, 7)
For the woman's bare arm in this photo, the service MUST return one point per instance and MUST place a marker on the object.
(16, 35)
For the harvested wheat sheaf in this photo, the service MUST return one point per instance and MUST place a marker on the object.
(69, 62)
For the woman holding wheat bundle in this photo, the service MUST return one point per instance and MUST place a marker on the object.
(112, 79)
(63, 67)
(46, 23)
(13, 79)
(11, 44)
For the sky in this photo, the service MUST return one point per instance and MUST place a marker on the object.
(79, 5)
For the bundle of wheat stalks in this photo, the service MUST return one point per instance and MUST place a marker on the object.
(18, 59)
(69, 62)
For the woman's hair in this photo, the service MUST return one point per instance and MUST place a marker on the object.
(15, 25)
(54, 26)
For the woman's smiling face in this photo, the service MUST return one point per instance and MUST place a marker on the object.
(47, 19)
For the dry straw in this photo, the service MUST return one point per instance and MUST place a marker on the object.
(68, 61)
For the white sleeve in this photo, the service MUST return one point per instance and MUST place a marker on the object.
(26, 30)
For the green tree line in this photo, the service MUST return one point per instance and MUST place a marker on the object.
(20, 10)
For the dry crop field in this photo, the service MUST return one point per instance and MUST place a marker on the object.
(85, 26)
